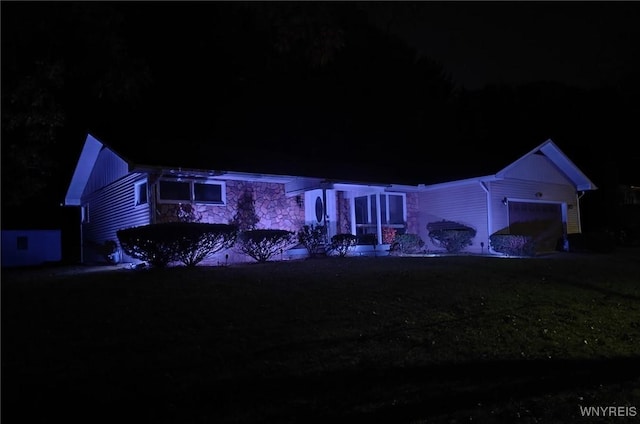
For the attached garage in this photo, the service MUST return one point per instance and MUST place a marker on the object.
(542, 221)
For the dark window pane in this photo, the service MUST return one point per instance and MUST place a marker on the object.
(362, 216)
(396, 210)
(210, 193)
(383, 208)
(174, 190)
(142, 194)
(23, 243)
(319, 209)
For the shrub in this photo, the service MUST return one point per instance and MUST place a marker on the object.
(408, 243)
(261, 245)
(197, 241)
(187, 242)
(452, 236)
(154, 243)
(312, 237)
(512, 244)
(388, 234)
(108, 250)
(343, 243)
(367, 239)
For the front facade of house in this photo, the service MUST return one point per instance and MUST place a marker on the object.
(541, 190)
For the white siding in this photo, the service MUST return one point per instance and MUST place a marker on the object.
(537, 168)
(535, 174)
(108, 168)
(110, 209)
(465, 204)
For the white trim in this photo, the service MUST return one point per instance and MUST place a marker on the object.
(137, 190)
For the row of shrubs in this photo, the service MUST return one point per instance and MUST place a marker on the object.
(192, 242)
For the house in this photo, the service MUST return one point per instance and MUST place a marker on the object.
(537, 194)
(28, 247)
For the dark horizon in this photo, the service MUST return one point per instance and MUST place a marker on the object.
(364, 85)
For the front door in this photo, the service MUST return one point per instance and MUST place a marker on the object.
(320, 209)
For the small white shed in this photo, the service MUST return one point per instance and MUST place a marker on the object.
(30, 247)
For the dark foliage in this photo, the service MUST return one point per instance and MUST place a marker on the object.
(452, 236)
(187, 242)
(197, 241)
(262, 245)
(342, 243)
(408, 243)
(512, 244)
(367, 239)
(312, 237)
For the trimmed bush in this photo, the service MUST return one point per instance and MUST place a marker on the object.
(512, 244)
(155, 244)
(261, 245)
(312, 237)
(197, 241)
(343, 243)
(408, 243)
(452, 236)
(187, 242)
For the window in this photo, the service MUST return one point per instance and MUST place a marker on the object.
(22, 243)
(189, 191)
(84, 212)
(207, 193)
(366, 214)
(392, 209)
(141, 197)
(175, 191)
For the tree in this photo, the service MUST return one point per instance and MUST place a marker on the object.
(61, 62)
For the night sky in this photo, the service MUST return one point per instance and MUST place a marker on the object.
(421, 91)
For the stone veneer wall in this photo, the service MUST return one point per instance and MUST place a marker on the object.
(274, 209)
(343, 210)
(413, 224)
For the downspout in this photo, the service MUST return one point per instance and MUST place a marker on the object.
(489, 213)
(81, 239)
(324, 214)
(578, 197)
(379, 219)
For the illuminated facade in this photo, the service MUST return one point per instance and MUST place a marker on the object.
(543, 185)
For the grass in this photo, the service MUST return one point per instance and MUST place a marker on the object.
(391, 339)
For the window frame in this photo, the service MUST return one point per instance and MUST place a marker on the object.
(137, 190)
(192, 197)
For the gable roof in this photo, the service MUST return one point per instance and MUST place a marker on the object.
(240, 169)
(560, 160)
(88, 156)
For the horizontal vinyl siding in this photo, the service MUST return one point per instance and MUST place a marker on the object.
(108, 168)
(111, 209)
(465, 204)
(520, 190)
(537, 168)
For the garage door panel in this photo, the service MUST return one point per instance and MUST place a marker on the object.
(541, 221)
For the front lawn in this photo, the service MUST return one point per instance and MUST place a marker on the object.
(388, 339)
